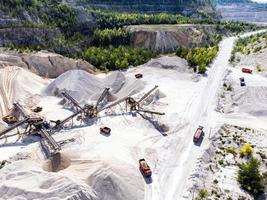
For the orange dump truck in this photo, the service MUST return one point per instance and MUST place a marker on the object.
(144, 168)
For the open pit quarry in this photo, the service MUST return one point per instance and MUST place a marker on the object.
(66, 156)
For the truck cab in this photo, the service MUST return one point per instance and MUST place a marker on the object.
(242, 81)
(144, 168)
(199, 134)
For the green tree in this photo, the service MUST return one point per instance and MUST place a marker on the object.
(249, 177)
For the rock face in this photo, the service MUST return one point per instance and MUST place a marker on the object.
(28, 36)
(167, 38)
(43, 63)
(242, 10)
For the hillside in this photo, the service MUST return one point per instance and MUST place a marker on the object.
(151, 6)
(242, 10)
(251, 52)
(67, 27)
(231, 1)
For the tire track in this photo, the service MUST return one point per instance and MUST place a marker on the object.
(7, 77)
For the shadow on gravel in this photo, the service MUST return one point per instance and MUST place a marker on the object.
(148, 180)
(200, 141)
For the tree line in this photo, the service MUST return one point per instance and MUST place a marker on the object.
(198, 58)
(121, 57)
(120, 19)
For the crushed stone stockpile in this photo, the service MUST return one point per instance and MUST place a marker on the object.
(39, 184)
(252, 100)
(17, 84)
(94, 180)
(84, 86)
(169, 62)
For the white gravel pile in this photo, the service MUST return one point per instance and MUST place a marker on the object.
(169, 62)
(79, 84)
(111, 183)
(85, 87)
(17, 84)
(27, 180)
(251, 100)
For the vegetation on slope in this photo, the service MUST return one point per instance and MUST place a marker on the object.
(115, 37)
(250, 178)
(120, 19)
(252, 44)
(116, 58)
(47, 13)
(236, 27)
(198, 58)
(152, 6)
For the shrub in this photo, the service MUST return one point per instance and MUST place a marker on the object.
(246, 151)
(202, 194)
(249, 177)
(221, 162)
(258, 67)
(115, 37)
(231, 150)
(257, 49)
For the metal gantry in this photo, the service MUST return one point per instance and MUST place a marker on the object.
(135, 105)
(85, 112)
(33, 124)
(36, 124)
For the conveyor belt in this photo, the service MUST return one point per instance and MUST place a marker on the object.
(62, 122)
(151, 112)
(147, 94)
(13, 127)
(102, 97)
(53, 144)
(115, 103)
(21, 110)
(70, 98)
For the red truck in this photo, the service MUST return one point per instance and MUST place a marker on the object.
(246, 70)
(144, 168)
(198, 134)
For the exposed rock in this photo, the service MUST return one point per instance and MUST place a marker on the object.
(243, 11)
(44, 63)
(167, 38)
(28, 36)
